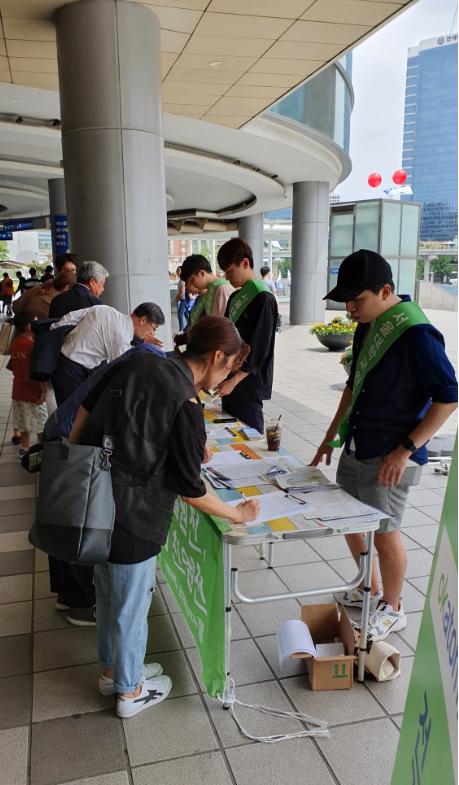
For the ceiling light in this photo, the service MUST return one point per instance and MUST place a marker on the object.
(215, 63)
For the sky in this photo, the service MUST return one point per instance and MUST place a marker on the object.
(378, 78)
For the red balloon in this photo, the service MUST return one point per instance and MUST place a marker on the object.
(399, 177)
(374, 179)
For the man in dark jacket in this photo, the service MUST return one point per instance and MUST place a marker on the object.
(86, 292)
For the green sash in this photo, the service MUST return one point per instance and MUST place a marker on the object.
(207, 300)
(386, 329)
(244, 297)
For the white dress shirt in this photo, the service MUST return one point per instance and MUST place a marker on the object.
(101, 333)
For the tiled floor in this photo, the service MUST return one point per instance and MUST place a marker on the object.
(54, 726)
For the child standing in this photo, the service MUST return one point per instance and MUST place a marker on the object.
(29, 409)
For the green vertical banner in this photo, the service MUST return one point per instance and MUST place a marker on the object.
(427, 750)
(192, 563)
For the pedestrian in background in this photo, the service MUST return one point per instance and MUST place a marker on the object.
(29, 409)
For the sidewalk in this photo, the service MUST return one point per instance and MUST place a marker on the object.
(54, 726)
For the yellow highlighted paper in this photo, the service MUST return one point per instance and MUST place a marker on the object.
(250, 490)
(282, 525)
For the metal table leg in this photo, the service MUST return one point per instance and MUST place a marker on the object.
(365, 606)
(227, 591)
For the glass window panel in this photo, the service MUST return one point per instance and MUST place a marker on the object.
(367, 226)
(341, 234)
(410, 221)
(407, 277)
(394, 264)
(390, 237)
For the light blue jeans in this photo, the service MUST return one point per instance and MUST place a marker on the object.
(123, 598)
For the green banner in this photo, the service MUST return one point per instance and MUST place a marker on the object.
(192, 563)
(427, 750)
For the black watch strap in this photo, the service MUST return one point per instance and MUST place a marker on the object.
(408, 444)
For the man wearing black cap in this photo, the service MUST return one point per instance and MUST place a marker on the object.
(400, 391)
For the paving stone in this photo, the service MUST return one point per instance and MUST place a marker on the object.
(165, 731)
(419, 497)
(419, 563)
(261, 583)
(424, 535)
(97, 735)
(309, 576)
(41, 586)
(247, 664)
(13, 755)
(264, 619)
(414, 517)
(13, 474)
(238, 629)
(25, 491)
(16, 701)
(369, 754)
(14, 541)
(434, 511)
(17, 562)
(59, 648)
(411, 631)
(15, 618)
(413, 600)
(256, 723)
(392, 694)
(41, 561)
(206, 769)
(117, 778)
(421, 583)
(261, 764)
(15, 523)
(46, 617)
(10, 507)
(175, 665)
(15, 655)
(161, 635)
(67, 691)
(335, 706)
(15, 588)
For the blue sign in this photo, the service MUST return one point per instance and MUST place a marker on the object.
(17, 226)
(334, 270)
(60, 233)
(6, 236)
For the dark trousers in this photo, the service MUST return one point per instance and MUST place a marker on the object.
(67, 377)
(73, 582)
(245, 404)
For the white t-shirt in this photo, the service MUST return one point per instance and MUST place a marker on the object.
(101, 333)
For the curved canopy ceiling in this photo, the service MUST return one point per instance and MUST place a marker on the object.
(223, 61)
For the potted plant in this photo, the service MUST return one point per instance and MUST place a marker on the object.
(335, 335)
(346, 359)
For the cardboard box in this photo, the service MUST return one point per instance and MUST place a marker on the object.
(326, 623)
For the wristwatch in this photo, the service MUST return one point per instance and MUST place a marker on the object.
(409, 444)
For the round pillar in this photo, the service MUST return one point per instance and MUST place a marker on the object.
(58, 216)
(112, 136)
(250, 229)
(310, 219)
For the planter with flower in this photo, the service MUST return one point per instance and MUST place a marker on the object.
(346, 359)
(335, 335)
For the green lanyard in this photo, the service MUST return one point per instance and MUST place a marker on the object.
(244, 297)
(386, 329)
(207, 300)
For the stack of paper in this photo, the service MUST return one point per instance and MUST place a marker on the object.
(274, 505)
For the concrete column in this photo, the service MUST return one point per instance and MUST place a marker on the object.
(250, 229)
(213, 255)
(112, 134)
(309, 251)
(58, 216)
(270, 255)
(427, 268)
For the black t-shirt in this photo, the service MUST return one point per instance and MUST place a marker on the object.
(185, 453)
(257, 327)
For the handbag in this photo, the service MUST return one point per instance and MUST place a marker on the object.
(75, 512)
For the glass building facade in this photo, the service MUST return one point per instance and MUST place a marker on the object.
(323, 104)
(386, 226)
(430, 135)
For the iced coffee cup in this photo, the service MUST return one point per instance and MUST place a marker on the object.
(273, 435)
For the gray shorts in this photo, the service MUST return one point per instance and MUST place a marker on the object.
(359, 479)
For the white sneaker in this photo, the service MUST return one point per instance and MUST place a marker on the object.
(150, 671)
(385, 620)
(354, 598)
(153, 691)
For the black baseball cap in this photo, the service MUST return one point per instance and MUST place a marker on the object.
(359, 271)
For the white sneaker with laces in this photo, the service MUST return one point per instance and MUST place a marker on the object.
(385, 620)
(354, 598)
(150, 671)
(153, 691)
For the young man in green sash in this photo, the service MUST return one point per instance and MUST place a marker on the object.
(214, 292)
(401, 390)
(253, 309)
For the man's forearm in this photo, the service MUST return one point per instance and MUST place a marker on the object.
(343, 406)
(434, 419)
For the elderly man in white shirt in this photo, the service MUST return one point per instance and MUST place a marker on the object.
(101, 334)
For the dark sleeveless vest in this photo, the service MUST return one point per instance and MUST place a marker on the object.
(148, 392)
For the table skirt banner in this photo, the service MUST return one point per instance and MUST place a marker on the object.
(192, 563)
